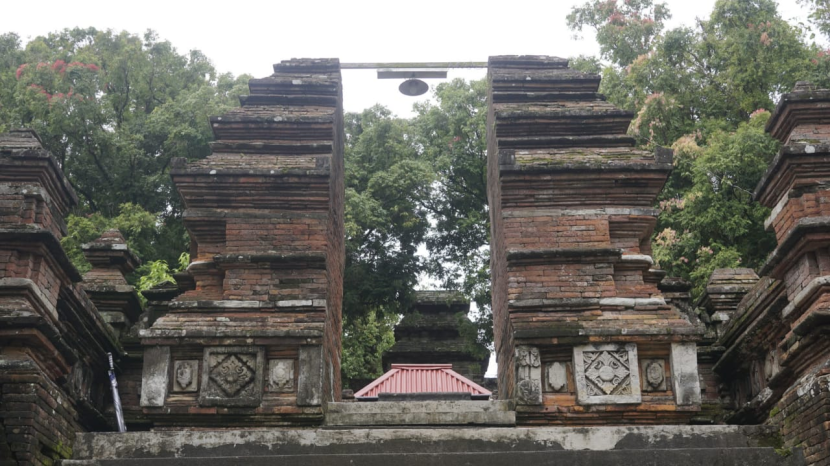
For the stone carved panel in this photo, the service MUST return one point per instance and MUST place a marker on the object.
(186, 376)
(556, 377)
(607, 374)
(654, 375)
(528, 375)
(232, 376)
(280, 375)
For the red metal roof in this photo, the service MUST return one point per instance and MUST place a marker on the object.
(421, 378)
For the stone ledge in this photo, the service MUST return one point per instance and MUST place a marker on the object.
(153, 333)
(310, 257)
(413, 413)
(802, 228)
(563, 255)
(33, 237)
(218, 213)
(207, 444)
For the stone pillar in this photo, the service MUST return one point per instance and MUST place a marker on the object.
(787, 319)
(53, 342)
(430, 334)
(571, 217)
(105, 284)
(725, 289)
(259, 328)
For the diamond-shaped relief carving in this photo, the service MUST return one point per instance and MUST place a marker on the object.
(233, 373)
(607, 374)
(232, 376)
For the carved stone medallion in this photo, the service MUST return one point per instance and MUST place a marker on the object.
(232, 376)
(186, 376)
(528, 375)
(280, 375)
(607, 374)
(654, 375)
(557, 377)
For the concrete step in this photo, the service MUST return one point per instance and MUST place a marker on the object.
(643, 446)
(421, 413)
(658, 457)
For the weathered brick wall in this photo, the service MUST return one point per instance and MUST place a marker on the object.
(776, 355)
(803, 415)
(39, 417)
(265, 215)
(502, 327)
(53, 341)
(571, 217)
(813, 133)
(335, 259)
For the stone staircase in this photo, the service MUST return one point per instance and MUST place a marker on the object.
(548, 446)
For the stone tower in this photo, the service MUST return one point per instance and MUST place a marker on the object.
(257, 339)
(430, 334)
(583, 335)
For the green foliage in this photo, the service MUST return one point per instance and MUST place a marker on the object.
(819, 14)
(729, 66)
(114, 109)
(702, 91)
(624, 30)
(366, 338)
(386, 185)
(155, 272)
(453, 135)
(708, 219)
(138, 226)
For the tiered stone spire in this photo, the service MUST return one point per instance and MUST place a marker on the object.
(105, 284)
(430, 334)
(579, 321)
(53, 360)
(725, 289)
(260, 330)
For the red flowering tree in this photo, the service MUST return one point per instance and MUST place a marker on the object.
(115, 108)
(625, 29)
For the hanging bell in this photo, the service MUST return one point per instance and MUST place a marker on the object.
(413, 87)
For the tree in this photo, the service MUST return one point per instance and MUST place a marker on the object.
(452, 136)
(708, 219)
(114, 109)
(624, 30)
(819, 14)
(702, 91)
(387, 185)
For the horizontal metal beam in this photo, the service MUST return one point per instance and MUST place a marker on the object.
(407, 73)
(439, 65)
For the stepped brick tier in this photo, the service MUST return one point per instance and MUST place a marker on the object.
(583, 335)
(431, 334)
(53, 341)
(255, 339)
(776, 357)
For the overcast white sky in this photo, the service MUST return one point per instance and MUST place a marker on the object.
(249, 36)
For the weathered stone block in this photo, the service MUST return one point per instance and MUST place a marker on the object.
(653, 375)
(281, 375)
(310, 378)
(607, 374)
(186, 376)
(528, 375)
(684, 374)
(232, 376)
(154, 379)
